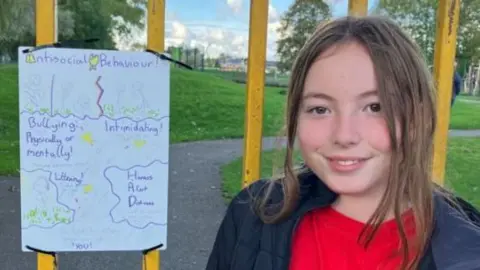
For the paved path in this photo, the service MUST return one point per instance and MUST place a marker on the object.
(469, 100)
(195, 211)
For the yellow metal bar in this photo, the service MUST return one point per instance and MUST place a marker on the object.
(45, 28)
(151, 261)
(45, 262)
(155, 42)
(357, 7)
(45, 31)
(156, 25)
(257, 47)
(445, 49)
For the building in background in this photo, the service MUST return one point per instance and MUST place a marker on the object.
(240, 65)
(233, 64)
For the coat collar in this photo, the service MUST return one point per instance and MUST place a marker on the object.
(313, 193)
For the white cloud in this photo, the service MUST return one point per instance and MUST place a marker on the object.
(272, 40)
(235, 5)
(215, 35)
(273, 15)
(179, 31)
(215, 39)
(212, 37)
(273, 26)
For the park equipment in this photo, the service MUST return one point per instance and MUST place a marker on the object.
(447, 23)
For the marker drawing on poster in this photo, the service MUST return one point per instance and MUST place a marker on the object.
(94, 138)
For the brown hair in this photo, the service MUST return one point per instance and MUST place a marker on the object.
(407, 96)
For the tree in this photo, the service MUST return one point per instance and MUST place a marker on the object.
(297, 24)
(418, 18)
(101, 19)
(7, 7)
(137, 46)
(77, 19)
(17, 25)
(469, 30)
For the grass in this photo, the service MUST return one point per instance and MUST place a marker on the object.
(462, 169)
(465, 114)
(241, 77)
(203, 107)
(462, 159)
(231, 172)
(9, 120)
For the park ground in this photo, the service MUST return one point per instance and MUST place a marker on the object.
(207, 117)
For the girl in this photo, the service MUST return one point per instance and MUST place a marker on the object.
(361, 110)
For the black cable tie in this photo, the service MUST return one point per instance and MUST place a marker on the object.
(51, 253)
(62, 44)
(164, 57)
(148, 250)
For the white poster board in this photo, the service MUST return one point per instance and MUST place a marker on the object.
(94, 147)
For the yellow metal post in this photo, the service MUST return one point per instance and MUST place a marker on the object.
(257, 47)
(357, 7)
(151, 260)
(45, 31)
(155, 42)
(445, 49)
(156, 25)
(45, 28)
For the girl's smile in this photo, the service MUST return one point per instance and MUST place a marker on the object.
(346, 164)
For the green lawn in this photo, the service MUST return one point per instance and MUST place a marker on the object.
(241, 77)
(9, 120)
(462, 171)
(465, 114)
(203, 107)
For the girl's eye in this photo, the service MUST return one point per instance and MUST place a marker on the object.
(317, 110)
(374, 107)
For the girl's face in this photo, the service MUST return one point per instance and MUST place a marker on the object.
(342, 133)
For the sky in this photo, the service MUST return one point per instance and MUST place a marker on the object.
(221, 26)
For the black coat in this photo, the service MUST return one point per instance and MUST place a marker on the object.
(244, 242)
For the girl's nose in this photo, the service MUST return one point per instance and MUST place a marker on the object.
(346, 132)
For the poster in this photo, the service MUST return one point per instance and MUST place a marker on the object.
(94, 147)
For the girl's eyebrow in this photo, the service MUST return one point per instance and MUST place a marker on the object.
(319, 95)
(370, 93)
